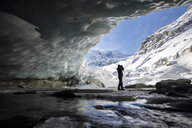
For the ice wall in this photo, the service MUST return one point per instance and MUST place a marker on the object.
(49, 38)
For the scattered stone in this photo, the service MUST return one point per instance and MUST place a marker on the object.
(161, 100)
(183, 105)
(116, 98)
(66, 94)
(105, 94)
(140, 85)
(25, 92)
(20, 86)
(71, 93)
(175, 94)
(174, 87)
(70, 81)
(154, 91)
(96, 82)
(19, 122)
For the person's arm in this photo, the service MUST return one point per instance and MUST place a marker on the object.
(122, 67)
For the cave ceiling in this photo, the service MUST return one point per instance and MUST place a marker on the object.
(49, 38)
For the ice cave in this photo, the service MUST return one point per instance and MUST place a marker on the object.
(49, 39)
(45, 81)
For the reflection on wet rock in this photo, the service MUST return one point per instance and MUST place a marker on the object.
(176, 88)
(93, 109)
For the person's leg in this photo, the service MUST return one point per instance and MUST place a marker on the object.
(121, 83)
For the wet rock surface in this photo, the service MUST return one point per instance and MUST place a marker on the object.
(107, 94)
(94, 108)
(139, 86)
(19, 122)
(175, 88)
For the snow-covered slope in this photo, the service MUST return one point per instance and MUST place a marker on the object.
(101, 58)
(167, 54)
(167, 33)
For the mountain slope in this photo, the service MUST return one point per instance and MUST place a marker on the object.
(167, 54)
(167, 33)
(101, 58)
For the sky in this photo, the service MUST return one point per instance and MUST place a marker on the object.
(129, 34)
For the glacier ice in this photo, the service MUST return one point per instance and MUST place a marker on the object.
(49, 39)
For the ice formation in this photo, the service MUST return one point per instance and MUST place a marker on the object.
(49, 39)
(95, 76)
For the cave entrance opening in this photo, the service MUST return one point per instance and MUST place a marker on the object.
(129, 34)
(126, 38)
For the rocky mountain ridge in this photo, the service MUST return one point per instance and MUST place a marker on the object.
(167, 33)
(102, 58)
(167, 54)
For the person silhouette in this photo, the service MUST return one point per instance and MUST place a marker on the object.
(120, 76)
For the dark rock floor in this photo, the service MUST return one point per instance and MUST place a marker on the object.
(93, 108)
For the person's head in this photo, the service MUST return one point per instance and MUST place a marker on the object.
(119, 66)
